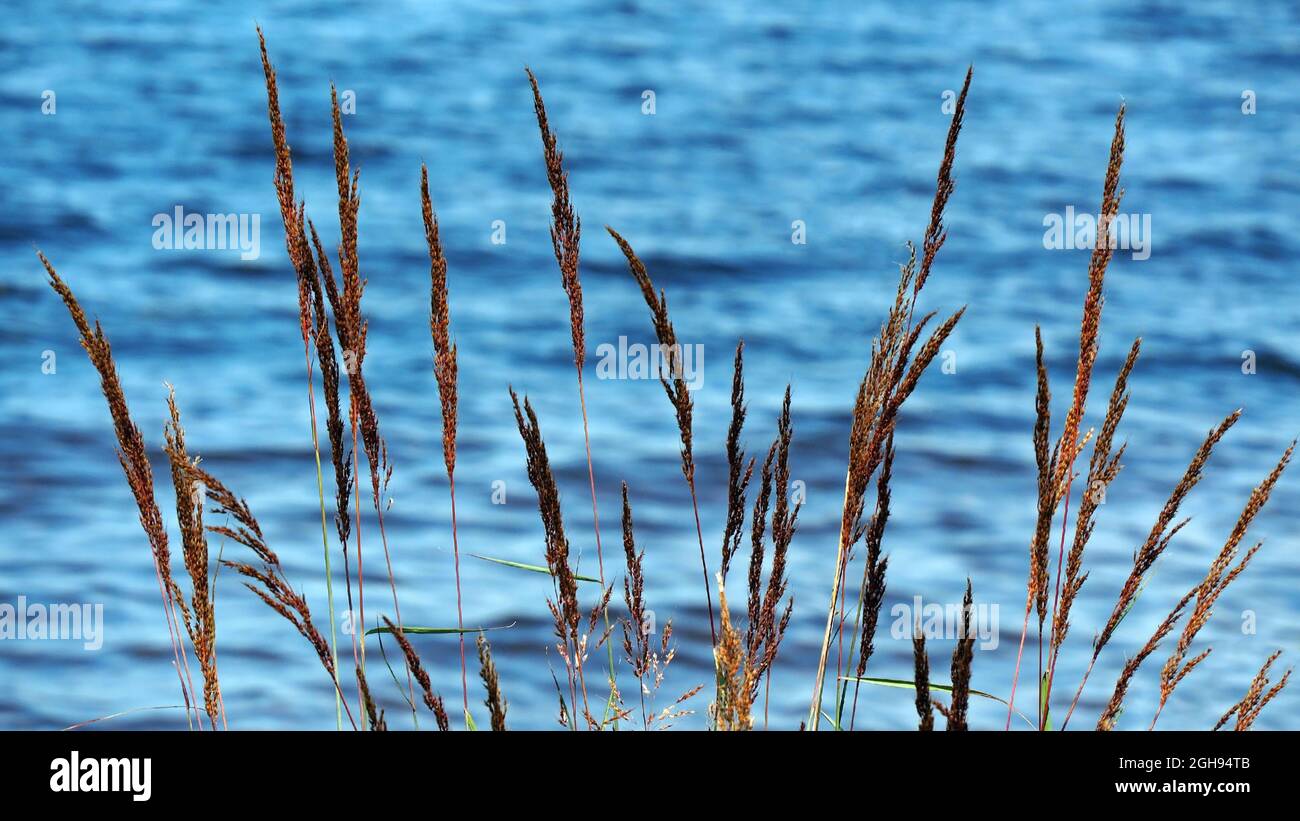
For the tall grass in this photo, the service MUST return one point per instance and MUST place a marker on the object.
(744, 654)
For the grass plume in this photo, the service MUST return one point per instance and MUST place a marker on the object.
(445, 372)
(1256, 698)
(891, 376)
(133, 457)
(495, 702)
(678, 394)
(566, 233)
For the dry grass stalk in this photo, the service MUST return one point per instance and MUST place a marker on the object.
(271, 585)
(566, 233)
(738, 472)
(677, 392)
(871, 594)
(134, 459)
(1048, 497)
(329, 367)
(445, 372)
(566, 228)
(758, 533)
(1103, 467)
(1069, 445)
(352, 328)
(431, 700)
(1220, 575)
(495, 702)
(648, 658)
(376, 717)
(921, 678)
(737, 680)
(202, 628)
(1162, 533)
(962, 656)
(1116, 704)
(311, 316)
(1090, 325)
(1256, 698)
(891, 376)
(935, 232)
(564, 606)
(342, 460)
(768, 620)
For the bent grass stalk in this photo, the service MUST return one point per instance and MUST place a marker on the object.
(139, 475)
(678, 393)
(300, 256)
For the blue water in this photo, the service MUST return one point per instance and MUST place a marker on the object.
(826, 113)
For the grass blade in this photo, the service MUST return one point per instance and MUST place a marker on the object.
(530, 567)
(437, 631)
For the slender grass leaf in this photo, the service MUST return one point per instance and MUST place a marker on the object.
(438, 631)
(830, 718)
(531, 567)
(1043, 706)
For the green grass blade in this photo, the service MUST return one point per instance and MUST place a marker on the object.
(831, 719)
(1043, 695)
(438, 631)
(531, 567)
(944, 688)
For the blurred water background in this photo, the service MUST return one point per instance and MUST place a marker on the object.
(829, 113)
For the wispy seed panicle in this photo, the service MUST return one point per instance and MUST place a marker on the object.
(431, 700)
(566, 228)
(738, 472)
(1256, 698)
(495, 702)
(962, 657)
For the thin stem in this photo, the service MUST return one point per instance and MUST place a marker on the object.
(1156, 718)
(173, 634)
(392, 583)
(361, 579)
(857, 684)
(1079, 692)
(704, 564)
(815, 709)
(1011, 702)
(600, 559)
(1045, 700)
(460, 616)
(324, 538)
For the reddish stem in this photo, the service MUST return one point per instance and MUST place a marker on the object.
(1011, 702)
